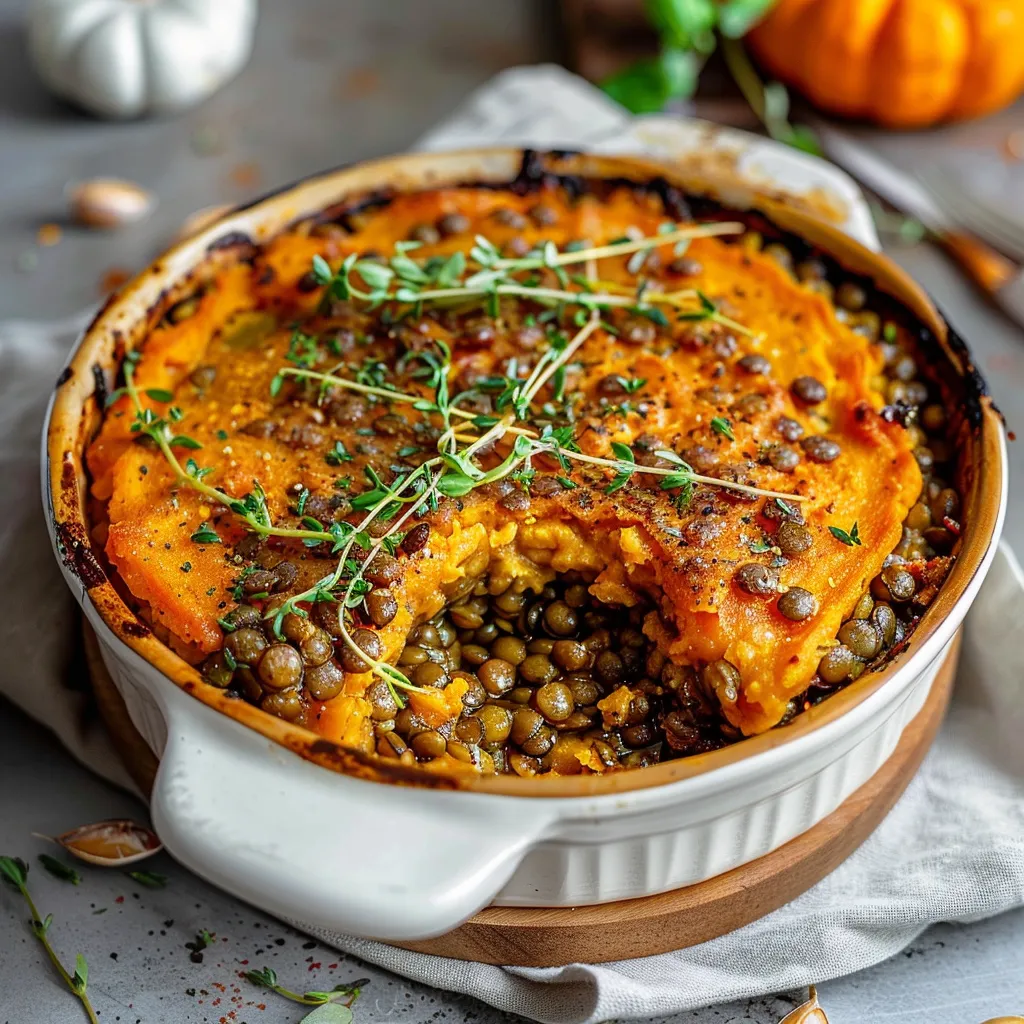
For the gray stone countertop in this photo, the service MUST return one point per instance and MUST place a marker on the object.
(329, 84)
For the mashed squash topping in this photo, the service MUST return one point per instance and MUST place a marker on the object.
(560, 479)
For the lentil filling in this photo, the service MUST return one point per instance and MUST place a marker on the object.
(556, 479)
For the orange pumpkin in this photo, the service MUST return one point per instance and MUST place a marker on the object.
(902, 63)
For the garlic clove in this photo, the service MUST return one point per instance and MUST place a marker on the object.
(109, 202)
(807, 1013)
(112, 843)
(201, 219)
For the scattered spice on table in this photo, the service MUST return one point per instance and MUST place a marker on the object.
(245, 175)
(49, 234)
(112, 279)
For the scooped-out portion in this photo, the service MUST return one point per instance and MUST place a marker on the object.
(563, 477)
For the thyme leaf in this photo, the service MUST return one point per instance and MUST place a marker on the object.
(720, 425)
(851, 538)
(59, 869)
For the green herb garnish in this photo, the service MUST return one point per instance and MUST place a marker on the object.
(851, 539)
(14, 872)
(337, 455)
(150, 879)
(59, 869)
(720, 425)
(206, 535)
(631, 385)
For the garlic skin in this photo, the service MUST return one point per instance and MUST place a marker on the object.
(109, 203)
(115, 843)
(807, 1013)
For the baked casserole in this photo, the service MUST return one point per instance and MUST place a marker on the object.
(566, 476)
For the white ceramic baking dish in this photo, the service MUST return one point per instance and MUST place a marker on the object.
(293, 824)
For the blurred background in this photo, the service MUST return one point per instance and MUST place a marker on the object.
(250, 98)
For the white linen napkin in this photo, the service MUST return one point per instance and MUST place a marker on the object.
(951, 850)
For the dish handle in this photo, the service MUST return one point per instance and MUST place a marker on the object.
(364, 858)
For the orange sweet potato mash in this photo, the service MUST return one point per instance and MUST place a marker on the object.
(727, 394)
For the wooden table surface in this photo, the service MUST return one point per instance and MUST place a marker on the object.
(331, 83)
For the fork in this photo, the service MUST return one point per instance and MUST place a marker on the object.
(970, 212)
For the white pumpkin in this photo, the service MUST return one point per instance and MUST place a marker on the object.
(129, 58)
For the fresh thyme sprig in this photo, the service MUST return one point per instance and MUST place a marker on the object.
(267, 977)
(15, 872)
(408, 282)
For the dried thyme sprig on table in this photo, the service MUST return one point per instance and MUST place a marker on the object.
(15, 873)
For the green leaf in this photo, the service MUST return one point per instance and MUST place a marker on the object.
(14, 871)
(682, 23)
(623, 452)
(206, 535)
(631, 384)
(150, 879)
(59, 869)
(652, 313)
(802, 137)
(275, 385)
(338, 454)
(374, 274)
(617, 483)
(159, 394)
(322, 270)
(737, 17)
(720, 425)
(265, 976)
(851, 539)
(670, 456)
(455, 485)
(409, 270)
(452, 269)
(81, 976)
(776, 106)
(183, 441)
(358, 590)
(647, 86)
(302, 349)
(329, 1013)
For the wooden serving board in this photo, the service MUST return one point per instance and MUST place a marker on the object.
(555, 936)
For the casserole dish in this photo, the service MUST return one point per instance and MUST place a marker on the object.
(234, 802)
